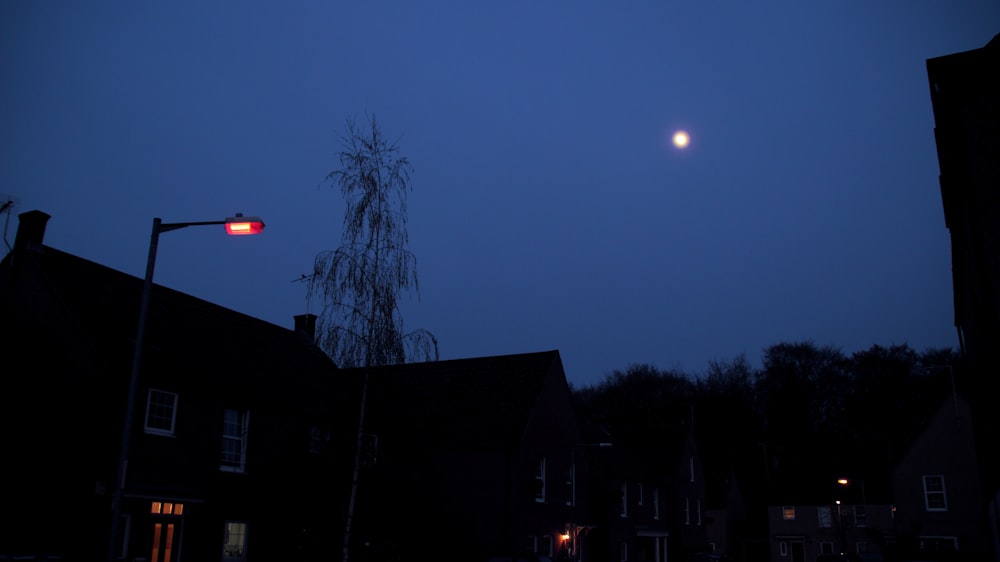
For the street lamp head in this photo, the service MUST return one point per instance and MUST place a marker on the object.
(843, 481)
(240, 225)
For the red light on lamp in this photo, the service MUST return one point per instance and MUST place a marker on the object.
(240, 225)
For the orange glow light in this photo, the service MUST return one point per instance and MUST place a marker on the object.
(244, 226)
(842, 481)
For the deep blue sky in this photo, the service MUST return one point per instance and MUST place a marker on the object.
(549, 210)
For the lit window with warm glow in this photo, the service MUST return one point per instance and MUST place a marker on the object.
(166, 508)
(788, 513)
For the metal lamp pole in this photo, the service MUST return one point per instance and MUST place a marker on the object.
(234, 226)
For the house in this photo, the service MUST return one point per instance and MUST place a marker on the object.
(938, 492)
(648, 497)
(242, 433)
(965, 100)
(931, 509)
(468, 459)
(804, 533)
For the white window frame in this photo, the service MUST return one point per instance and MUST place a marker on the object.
(935, 493)
(687, 510)
(656, 503)
(540, 478)
(159, 404)
(697, 511)
(860, 516)
(232, 541)
(826, 547)
(691, 468)
(639, 490)
(548, 546)
(624, 552)
(624, 506)
(243, 422)
(783, 549)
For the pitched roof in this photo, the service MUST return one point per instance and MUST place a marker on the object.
(56, 296)
(482, 403)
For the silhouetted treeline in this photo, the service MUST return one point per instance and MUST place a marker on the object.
(808, 415)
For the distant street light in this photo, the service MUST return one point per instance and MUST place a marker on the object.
(235, 226)
(845, 482)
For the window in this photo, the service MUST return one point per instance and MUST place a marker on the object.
(687, 511)
(540, 479)
(656, 503)
(788, 513)
(638, 499)
(935, 498)
(571, 484)
(783, 548)
(234, 541)
(624, 511)
(862, 547)
(824, 516)
(161, 412)
(860, 515)
(547, 546)
(697, 511)
(624, 552)
(826, 547)
(531, 543)
(234, 441)
(691, 468)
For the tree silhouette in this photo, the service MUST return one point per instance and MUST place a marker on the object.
(362, 280)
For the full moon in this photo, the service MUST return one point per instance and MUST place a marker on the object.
(681, 139)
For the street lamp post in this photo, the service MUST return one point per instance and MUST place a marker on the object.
(235, 226)
(846, 482)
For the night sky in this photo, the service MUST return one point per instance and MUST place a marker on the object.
(549, 208)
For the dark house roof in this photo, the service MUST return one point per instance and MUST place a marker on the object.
(49, 298)
(482, 403)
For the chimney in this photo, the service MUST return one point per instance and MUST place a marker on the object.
(305, 324)
(30, 229)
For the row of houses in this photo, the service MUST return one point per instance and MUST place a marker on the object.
(244, 439)
(249, 443)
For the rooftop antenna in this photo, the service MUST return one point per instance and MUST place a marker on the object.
(7, 204)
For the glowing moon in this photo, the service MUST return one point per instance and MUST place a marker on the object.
(681, 139)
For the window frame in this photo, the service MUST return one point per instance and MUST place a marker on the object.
(860, 515)
(238, 466)
(928, 493)
(788, 513)
(824, 517)
(624, 502)
(149, 413)
(656, 503)
(227, 534)
(540, 469)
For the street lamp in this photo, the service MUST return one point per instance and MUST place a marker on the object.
(235, 226)
(845, 483)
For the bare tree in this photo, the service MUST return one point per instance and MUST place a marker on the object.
(361, 281)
